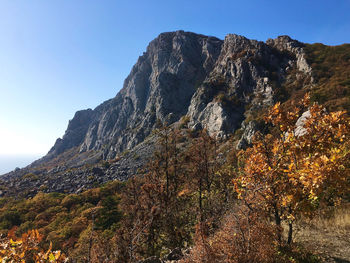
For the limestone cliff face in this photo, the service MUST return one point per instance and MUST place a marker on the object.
(159, 87)
(220, 85)
(215, 83)
(246, 77)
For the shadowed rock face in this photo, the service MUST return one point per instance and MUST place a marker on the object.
(217, 84)
(183, 73)
(75, 133)
(160, 86)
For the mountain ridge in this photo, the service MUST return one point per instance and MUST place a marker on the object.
(137, 93)
(211, 83)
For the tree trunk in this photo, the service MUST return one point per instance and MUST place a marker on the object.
(200, 199)
(278, 224)
(290, 233)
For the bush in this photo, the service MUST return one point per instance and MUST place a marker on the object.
(243, 237)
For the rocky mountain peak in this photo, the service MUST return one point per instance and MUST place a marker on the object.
(185, 78)
(285, 43)
(236, 43)
(183, 73)
(159, 87)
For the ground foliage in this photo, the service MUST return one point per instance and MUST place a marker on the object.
(28, 248)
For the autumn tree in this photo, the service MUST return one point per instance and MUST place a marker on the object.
(301, 164)
(202, 166)
(156, 211)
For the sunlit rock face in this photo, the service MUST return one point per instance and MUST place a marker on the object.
(210, 80)
(214, 84)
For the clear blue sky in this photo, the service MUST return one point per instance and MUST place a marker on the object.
(59, 56)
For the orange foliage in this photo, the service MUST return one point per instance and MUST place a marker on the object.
(295, 169)
(27, 249)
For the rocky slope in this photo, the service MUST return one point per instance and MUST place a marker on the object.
(202, 81)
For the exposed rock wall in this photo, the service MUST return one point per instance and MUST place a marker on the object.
(183, 73)
(215, 83)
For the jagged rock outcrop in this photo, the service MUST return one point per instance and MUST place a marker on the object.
(182, 73)
(249, 131)
(216, 84)
(159, 87)
(75, 133)
(285, 43)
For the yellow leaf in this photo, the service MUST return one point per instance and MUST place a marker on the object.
(52, 257)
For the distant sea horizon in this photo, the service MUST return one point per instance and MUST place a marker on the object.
(10, 162)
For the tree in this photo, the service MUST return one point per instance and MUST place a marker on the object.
(299, 165)
(203, 166)
(108, 215)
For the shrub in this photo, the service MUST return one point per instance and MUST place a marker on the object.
(243, 237)
(28, 248)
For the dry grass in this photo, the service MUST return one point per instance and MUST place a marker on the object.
(327, 234)
(338, 220)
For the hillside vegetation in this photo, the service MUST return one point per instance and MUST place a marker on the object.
(203, 195)
(331, 70)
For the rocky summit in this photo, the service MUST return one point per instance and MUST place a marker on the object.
(183, 78)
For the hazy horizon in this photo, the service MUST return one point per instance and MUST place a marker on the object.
(10, 162)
